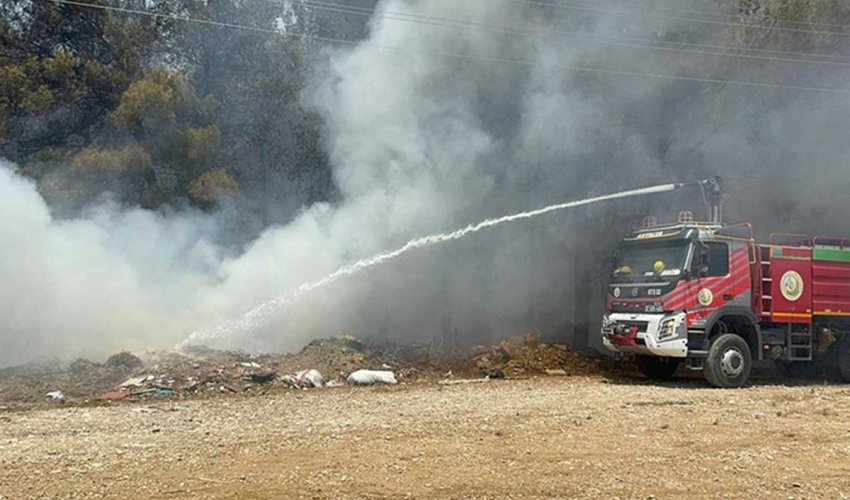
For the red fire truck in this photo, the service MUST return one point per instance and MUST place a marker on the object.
(708, 295)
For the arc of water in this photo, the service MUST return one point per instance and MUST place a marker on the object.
(265, 310)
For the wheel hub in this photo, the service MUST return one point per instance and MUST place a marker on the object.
(732, 362)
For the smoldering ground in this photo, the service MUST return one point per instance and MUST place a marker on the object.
(429, 127)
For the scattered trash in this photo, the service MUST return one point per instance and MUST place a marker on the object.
(261, 378)
(305, 378)
(113, 396)
(311, 376)
(493, 373)
(462, 381)
(137, 381)
(56, 396)
(199, 370)
(164, 392)
(371, 377)
(144, 392)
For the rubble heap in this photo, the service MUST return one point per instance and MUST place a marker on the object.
(336, 357)
(525, 355)
(199, 371)
(78, 379)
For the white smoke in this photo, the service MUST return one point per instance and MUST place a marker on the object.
(421, 142)
(99, 283)
(132, 279)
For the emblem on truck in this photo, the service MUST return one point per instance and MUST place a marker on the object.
(617, 292)
(791, 286)
(705, 297)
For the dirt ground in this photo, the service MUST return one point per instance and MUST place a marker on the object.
(563, 437)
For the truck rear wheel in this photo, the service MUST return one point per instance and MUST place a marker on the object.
(729, 361)
(656, 368)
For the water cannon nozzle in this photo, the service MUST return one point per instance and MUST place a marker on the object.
(712, 183)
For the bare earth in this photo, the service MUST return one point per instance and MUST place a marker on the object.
(569, 437)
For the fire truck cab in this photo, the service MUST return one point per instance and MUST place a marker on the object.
(671, 287)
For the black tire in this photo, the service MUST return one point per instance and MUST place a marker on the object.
(729, 361)
(656, 368)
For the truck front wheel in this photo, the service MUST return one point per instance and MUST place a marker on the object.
(656, 368)
(729, 361)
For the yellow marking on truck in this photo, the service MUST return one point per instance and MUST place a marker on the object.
(793, 315)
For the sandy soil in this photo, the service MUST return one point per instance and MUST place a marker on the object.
(568, 437)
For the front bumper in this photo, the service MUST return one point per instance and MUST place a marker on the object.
(647, 334)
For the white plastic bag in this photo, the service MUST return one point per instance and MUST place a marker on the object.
(56, 396)
(309, 378)
(371, 377)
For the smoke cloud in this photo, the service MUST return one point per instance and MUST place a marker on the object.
(424, 141)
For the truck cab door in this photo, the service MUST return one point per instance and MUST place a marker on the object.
(716, 273)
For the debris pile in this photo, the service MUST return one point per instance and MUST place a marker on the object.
(336, 357)
(525, 355)
(200, 371)
(34, 382)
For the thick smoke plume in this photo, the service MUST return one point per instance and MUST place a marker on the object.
(424, 141)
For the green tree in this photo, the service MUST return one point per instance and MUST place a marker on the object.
(62, 68)
(143, 106)
(163, 115)
(210, 185)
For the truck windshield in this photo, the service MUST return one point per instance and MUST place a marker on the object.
(650, 260)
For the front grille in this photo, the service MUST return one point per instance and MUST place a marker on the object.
(641, 325)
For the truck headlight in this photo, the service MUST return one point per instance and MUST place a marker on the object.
(668, 329)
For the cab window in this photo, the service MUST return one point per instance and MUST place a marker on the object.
(715, 258)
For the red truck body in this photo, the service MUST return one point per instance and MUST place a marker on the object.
(787, 300)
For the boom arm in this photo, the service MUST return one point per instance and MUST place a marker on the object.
(712, 193)
(714, 198)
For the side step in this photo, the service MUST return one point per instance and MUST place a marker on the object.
(799, 347)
